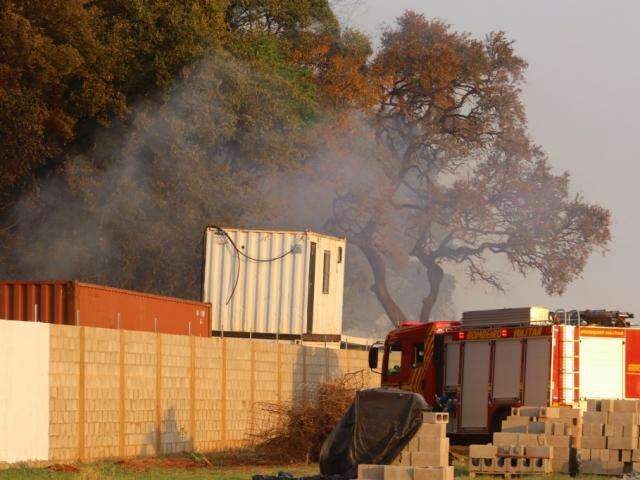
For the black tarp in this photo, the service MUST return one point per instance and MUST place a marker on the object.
(377, 426)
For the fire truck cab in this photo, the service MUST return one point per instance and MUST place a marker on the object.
(478, 371)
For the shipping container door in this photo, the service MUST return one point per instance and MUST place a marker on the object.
(506, 369)
(452, 364)
(475, 385)
(537, 378)
(601, 367)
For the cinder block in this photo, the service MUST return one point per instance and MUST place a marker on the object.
(593, 442)
(593, 405)
(611, 430)
(432, 443)
(560, 465)
(500, 465)
(434, 457)
(516, 420)
(549, 412)
(433, 430)
(593, 429)
(583, 454)
(544, 427)
(559, 441)
(628, 405)
(570, 412)
(622, 443)
(531, 439)
(630, 430)
(526, 464)
(559, 428)
(505, 438)
(516, 451)
(488, 464)
(539, 451)
(475, 463)
(513, 464)
(435, 417)
(595, 417)
(393, 472)
(561, 453)
(623, 418)
(614, 468)
(483, 451)
(371, 472)
(541, 465)
(600, 454)
(413, 445)
(606, 405)
(526, 411)
(440, 473)
(593, 467)
(510, 428)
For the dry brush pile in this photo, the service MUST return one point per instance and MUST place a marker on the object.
(299, 429)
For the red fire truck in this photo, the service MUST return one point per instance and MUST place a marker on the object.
(478, 373)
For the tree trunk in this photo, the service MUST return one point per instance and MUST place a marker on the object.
(435, 274)
(379, 287)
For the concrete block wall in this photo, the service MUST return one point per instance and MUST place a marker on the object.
(64, 392)
(138, 380)
(112, 393)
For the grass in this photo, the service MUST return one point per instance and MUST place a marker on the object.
(119, 472)
(116, 471)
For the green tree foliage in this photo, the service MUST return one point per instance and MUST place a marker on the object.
(53, 86)
(151, 41)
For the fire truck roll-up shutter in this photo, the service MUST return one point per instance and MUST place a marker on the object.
(601, 367)
(452, 364)
(537, 372)
(506, 369)
(475, 385)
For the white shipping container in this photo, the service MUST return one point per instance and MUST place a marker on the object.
(274, 282)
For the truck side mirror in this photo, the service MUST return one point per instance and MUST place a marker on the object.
(373, 357)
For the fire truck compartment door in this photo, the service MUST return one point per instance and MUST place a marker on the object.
(452, 364)
(601, 367)
(506, 369)
(475, 385)
(537, 372)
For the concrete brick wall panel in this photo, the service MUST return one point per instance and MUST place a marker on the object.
(200, 406)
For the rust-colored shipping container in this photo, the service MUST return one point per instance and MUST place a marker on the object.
(76, 303)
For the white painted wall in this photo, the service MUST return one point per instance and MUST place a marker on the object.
(24, 391)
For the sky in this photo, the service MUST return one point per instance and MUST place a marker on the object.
(583, 103)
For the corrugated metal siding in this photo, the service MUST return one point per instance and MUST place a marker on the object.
(75, 303)
(34, 301)
(270, 297)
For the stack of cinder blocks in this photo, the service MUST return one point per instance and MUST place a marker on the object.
(610, 437)
(532, 440)
(426, 456)
(509, 458)
(558, 427)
